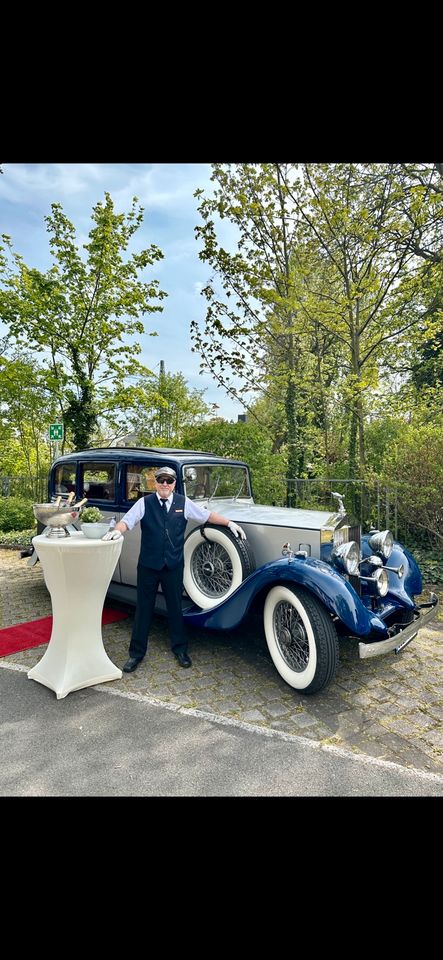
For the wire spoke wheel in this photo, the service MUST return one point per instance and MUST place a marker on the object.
(216, 563)
(301, 638)
(212, 570)
(291, 636)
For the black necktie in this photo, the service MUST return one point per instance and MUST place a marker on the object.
(163, 503)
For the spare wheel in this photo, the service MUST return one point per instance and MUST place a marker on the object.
(216, 563)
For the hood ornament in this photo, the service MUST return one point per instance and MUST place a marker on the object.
(341, 507)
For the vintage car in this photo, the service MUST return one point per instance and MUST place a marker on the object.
(311, 573)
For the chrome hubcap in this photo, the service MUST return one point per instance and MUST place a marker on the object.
(212, 569)
(291, 637)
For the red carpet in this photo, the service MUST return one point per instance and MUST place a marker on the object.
(34, 632)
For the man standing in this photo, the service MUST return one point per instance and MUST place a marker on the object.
(163, 516)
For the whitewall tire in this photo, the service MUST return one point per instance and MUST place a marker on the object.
(215, 564)
(301, 638)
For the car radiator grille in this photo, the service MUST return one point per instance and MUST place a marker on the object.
(355, 534)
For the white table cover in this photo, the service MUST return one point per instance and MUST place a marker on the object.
(77, 573)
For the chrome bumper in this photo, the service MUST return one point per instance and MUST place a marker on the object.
(403, 637)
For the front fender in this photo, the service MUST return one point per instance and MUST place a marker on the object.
(336, 594)
(411, 584)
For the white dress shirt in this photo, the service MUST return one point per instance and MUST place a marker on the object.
(192, 511)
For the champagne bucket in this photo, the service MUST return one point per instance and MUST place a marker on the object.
(56, 518)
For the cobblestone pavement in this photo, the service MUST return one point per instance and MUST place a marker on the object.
(389, 707)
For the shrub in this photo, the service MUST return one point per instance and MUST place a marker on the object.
(16, 514)
(16, 538)
(414, 466)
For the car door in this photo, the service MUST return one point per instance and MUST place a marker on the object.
(137, 480)
(99, 482)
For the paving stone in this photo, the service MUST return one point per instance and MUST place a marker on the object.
(386, 709)
(401, 726)
(422, 721)
(227, 706)
(303, 720)
(434, 737)
(436, 712)
(275, 709)
(253, 716)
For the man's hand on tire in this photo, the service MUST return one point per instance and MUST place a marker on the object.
(236, 530)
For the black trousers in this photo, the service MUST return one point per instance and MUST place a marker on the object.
(147, 586)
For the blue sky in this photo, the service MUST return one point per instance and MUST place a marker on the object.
(165, 191)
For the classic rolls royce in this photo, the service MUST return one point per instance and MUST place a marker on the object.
(312, 574)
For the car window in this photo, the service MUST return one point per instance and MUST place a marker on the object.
(98, 480)
(64, 479)
(139, 480)
(216, 480)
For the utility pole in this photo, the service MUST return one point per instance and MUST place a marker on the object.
(161, 385)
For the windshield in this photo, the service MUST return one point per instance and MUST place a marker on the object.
(206, 481)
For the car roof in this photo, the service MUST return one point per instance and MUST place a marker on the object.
(160, 453)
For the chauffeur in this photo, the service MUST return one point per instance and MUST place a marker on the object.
(163, 517)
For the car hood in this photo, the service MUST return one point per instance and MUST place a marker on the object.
(274, 516)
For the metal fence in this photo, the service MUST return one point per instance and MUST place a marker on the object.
(35, 489)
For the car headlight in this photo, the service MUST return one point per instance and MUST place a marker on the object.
(382, 542)
(381, 581)
(348, 556)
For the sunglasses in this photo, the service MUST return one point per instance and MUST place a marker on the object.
(165, 480)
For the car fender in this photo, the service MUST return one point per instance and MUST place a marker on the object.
(411, 583)
(334, 592)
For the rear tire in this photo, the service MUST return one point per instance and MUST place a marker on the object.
(216, 563)
(301, 638)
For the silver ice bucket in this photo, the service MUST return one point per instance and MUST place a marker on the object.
(56, 518)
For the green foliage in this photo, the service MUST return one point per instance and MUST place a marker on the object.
(380, 436)
(414, 466)
(430, 563)
(12, 458)
(332, 295)
(26, 411)
(15, 514)
(79, 313)
(19, 538)
(91, 515)
(248, 442)
(170, 409)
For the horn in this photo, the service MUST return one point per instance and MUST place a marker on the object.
(398, 570)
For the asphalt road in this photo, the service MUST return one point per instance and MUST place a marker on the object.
(97, 742)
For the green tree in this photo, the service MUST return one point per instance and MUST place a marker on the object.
(250, 338)
(248, 442)
(169, 409)
(414, 465)
(307, 301)
(25, 409)
(351, 214)
(420, 230)
(79, 313)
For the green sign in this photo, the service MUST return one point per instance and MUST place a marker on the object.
(56, 431)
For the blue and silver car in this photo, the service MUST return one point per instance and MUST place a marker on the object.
(311, 574)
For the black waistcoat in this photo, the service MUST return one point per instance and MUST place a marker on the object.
(163, 533)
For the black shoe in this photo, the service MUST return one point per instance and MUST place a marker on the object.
(182, 658)
(131, 664)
